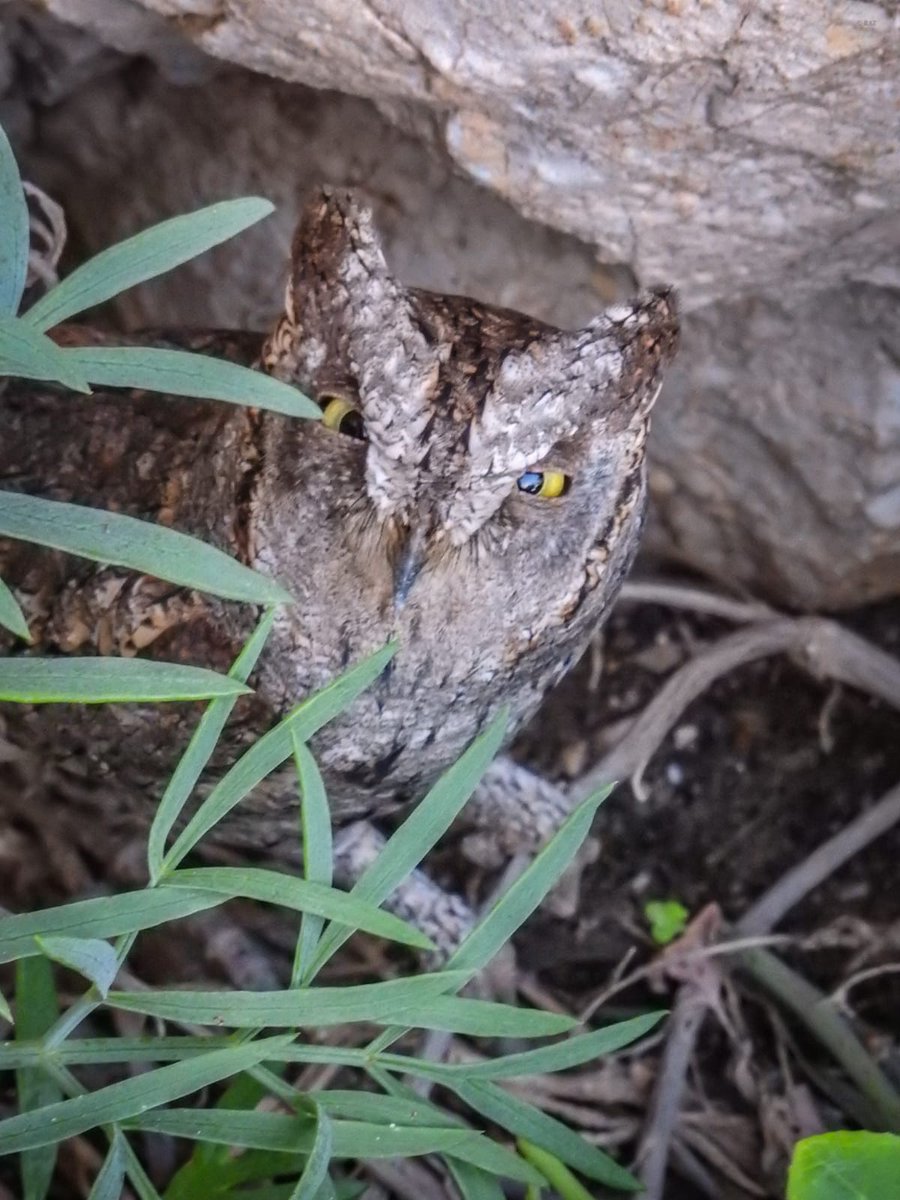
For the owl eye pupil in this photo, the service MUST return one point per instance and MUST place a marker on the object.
(549, 485)
(531, 482)
(340, 415)
(352, 424)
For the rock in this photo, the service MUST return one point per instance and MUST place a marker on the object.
(132, 149)
(748, 155)
(777, 448)
(725, 148)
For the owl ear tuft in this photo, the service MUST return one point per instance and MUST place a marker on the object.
(346, 316)
(560, 383)
(624, 350)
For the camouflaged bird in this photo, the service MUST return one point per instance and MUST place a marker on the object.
(474, 491)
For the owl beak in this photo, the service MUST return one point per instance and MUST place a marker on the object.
(410, 559)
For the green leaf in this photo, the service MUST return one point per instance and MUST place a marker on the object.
(562, 1056)
(474, 1183)
(181, 373)
(108, 681)
(93, 958)
(271, 750)
(316, 1169)
(200, 748)
(318, 854)
(291, 1008)
(422, 829)
(137, 1176)
(121, 1101)
(144, 256)
(377, 1109)
(485, 1018)
(101, 917)
(523, 1120)
(221, 1178)
(352, 1139)
(275, 887)
(11, 616)
(845, 1166)
(27, 354)
(515, 906)
(111, 1178)
(36, 1009)
(557, 1174)
(15, 236)
(667, 920)
(202, 1174)
(119, 540)
(5, 1010)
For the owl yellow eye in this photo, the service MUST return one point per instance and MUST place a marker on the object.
(546, 484)
(341, 416)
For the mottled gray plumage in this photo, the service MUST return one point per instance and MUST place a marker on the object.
(416, 532)
(458, 399)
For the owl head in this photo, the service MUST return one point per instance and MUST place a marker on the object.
(462, 442)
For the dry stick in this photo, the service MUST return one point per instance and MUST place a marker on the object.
(823, 1020)
(823, 862)
(695, 599)
(820, 645)
(684, 1026)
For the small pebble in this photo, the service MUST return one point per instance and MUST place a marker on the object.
(674, 773)
(685, 736)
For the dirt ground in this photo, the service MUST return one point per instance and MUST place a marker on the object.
(758, 772)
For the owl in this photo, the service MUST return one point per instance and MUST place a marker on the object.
(474, 493)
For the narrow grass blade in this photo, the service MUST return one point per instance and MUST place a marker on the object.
(352, 1139)
(421, 830)
(118, 540)
(14, 232)
(5, 1010)
(93, 958)
(36, 1009)
(202, 1174)
(318, 854)
(181, 373)
(316, 1170)
(516, 905)
(27, 354)
(557, 1174)
(562, 1056)
(484, 1018)
(131, 1097)
(375, 1002)
(474, 1183)
(144, 256)
(200, 748)
(271, 750)
(109, 1182)
(137, 1176)
(275, 887)
(224, 1178)
(523, 1120)
(101, 917)
(109, 681)
(377, 1109)
(11, 616)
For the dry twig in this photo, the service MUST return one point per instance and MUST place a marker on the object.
(820, 645)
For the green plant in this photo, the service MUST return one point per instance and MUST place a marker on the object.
(667, 920)
(846, 1166)
(291, 1152)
